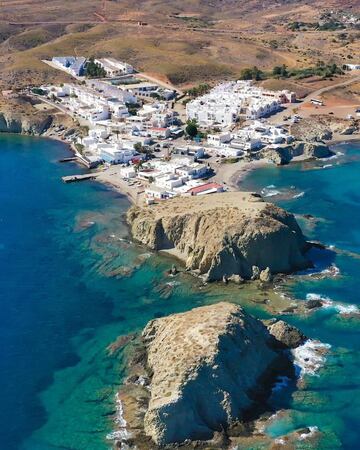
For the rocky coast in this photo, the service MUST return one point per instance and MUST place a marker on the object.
(28, 116)
(202, 377)
(228, 236)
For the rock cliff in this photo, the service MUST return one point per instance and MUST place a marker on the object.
(19, 115)
(14, 123)
(223, 234)
(319, 127)
(206, 369)
(283, 154)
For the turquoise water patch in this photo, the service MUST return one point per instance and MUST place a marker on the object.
(329, 211)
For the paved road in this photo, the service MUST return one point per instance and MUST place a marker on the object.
(276, 118)
(318, 92)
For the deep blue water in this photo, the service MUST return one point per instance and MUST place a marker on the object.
(62, 305)
(329, 190)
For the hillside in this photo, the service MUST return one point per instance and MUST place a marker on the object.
(186, 42)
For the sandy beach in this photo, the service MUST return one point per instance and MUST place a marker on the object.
(232, 173)
(112, 176)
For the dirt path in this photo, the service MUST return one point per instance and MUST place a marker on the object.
(159, 82)
(320, 91)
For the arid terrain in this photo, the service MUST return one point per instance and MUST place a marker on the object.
(185, 43)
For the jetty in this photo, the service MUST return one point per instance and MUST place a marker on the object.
(77, 178)
(72, 158)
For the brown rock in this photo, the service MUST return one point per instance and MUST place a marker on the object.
(222, 234)
(286, 335)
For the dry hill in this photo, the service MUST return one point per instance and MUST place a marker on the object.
(186, 42)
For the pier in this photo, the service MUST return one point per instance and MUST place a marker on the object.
(72, 158)
(77, 178)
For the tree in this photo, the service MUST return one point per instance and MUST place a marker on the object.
(94, 70)
(276, 71)
(138, 147)
(155, 95)
(256, 74)
(191, 128)
(246, 74)
(280, 71)
(253, 73)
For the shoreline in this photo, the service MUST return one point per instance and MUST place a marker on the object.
(231, 175)
(243, 172)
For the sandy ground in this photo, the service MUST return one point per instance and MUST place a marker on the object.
(136, 194)
(339, 110)
(231, 174)
(341, 138)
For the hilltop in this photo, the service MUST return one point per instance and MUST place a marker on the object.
(198, 377)
(224, 235)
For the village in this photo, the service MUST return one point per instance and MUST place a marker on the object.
(144, 138)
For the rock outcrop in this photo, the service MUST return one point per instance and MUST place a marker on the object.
(283, 154)
(319, 127)
(26, 115)
(222, 235)
(206, 369)
(13, 123)
(285, 335)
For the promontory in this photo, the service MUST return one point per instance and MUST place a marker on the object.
(232, 234)
(203, 374)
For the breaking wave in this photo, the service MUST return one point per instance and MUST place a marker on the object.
(301, 194)
(328, 303)
(269, 191)
(121, 434)
(309, 357)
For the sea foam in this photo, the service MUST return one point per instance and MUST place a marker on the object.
(309, 357)
(269, 191)
(121, 434)
(328, 303)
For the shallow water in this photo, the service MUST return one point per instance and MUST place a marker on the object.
(71, 283)
(328, 190)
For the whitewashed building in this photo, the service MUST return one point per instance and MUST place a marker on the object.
(114, 68)
(74, 65)
(223, 105)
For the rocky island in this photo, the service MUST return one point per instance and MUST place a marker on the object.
(202, 375)
(231, 235)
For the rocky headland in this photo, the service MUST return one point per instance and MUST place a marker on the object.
(283, 154)
(201, 377)
(28, 116)
(228, 236)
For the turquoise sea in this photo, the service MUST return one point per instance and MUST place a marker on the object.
(328, 190)
(71, 282)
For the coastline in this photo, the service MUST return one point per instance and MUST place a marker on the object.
(244, 170)
(338, 139)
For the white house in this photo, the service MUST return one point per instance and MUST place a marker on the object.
(225, 103)
(207, 188)
(218, 139)
(159, 132)
(71, 64)
(169, 181)
(193, 171)
(118, 109)
(114, 154)
(353, 66)
(114, 68)
(128, 172)
(156, 192)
